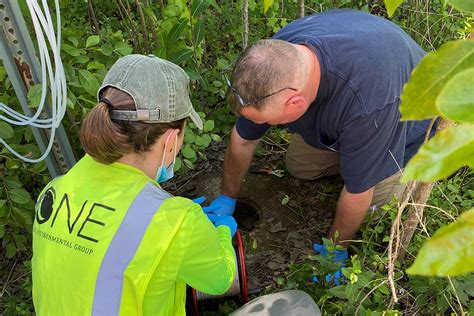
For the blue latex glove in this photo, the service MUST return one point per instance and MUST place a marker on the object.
(340, 256)
(222, 205)
(199, 200)
(225, 220)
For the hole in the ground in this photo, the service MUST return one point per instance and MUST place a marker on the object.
(246, 214)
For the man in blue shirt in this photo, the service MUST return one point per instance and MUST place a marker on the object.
(334, 79)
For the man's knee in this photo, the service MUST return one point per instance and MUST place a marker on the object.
(387, 189)
(309, 171)
(306, 162)
(299, 170)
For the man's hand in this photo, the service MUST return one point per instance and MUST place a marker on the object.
(338, 256)
(222, 205)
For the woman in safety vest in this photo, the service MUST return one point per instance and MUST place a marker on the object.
(107, 240)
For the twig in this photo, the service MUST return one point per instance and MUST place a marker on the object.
(277, 246)
(188, 179)
(9, 276)
(145, 31)
(245, 22)
(93, 19)
(152, 25)
(131, 29)
(447, 300)
(368, 294)
(456, 294)
(428, 131)
(289, 218)
(297, 213)
(395, 235)
(300, 8)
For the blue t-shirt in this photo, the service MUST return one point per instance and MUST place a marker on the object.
(365, 60)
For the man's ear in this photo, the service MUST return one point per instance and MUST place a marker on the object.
(296, 102)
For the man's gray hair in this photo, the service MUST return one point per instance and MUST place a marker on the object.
(264, 68)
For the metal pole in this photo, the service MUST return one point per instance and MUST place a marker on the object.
(19, 59)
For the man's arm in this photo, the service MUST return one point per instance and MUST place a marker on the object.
(351, 211)
(237, 160)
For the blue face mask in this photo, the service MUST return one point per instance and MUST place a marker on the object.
(165, 173)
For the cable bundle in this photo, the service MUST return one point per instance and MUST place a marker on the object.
(54, 76)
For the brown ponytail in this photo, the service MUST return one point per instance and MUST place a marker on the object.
(106, 140)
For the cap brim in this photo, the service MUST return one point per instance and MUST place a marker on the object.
(196, 119)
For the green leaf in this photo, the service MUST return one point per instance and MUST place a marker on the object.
(81, 59)
(23, 216)
(188, 152)
(456, 100)
(92, 40)
(178, 164)
(71, 101)
(20, 196)
(3, 73)
(11, 250)
(216, 137)
(189, 137)
(188, 163)
(150, 13)
(13, 183)
(384, 290)
(12, 163)
(254, 244)
(339, 291)
(198, 6)
(123, 48)
(70, 50)
(193, 73)
(392, 6)
(430, 76)
(181, 56)
(6, 131)
(2, 230)
(89, 82)
(95, 65)
(34, 95)
(73, 40)
(203, 141)
(446, 152)
(217, 84)
(280, 281)
(175, 33)
(107, 49)
(463, 5)
(266, 5)
(198, 33)
(450, 251)
(209, 125)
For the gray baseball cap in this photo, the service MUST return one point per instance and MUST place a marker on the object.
(159, 88)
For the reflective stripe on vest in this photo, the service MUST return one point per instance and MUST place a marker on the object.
(122, 249)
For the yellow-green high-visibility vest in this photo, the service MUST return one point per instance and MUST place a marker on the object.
(107, 240)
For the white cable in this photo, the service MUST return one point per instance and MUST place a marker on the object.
(52, 76)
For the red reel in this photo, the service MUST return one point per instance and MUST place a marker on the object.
(241, 274)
